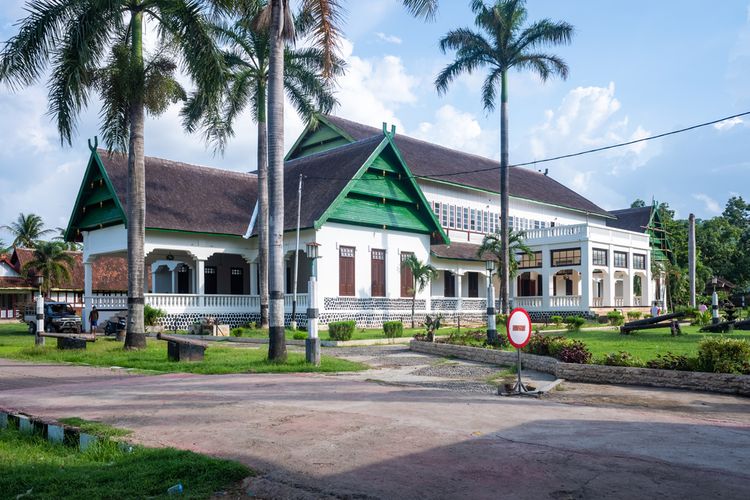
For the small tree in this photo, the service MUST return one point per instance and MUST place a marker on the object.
(422, 274)
(52, 262)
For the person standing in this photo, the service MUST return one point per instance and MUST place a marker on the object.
(94, 319)
(655, 310)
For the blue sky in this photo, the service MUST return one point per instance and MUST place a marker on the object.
(636, 68)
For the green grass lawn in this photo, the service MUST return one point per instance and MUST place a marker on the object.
(646, 344)
(16, 343)
(31, 467)
(359, 333)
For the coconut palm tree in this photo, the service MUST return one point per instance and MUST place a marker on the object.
(51, 261)
(324, 18)
(492, 243)
(97, 46)
(502, 43)
(27, 230)
(421, 275)
(69, 245)
(246, 57)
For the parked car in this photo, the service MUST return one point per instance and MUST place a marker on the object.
(58, 317)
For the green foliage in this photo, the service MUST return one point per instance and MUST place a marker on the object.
(393, 329)
(574, 352)
(26, 229)
(724, 355)
(501, 320)
(634, 315)
(94, 427)
(431, 325)
(341, 330)
(620, 358)
(299, 335)
(670, 361)
(561, 348)
(236, 332)
(701, 318)
(491, 243)
(615, 318)
(574, 322)
(52, 262)
(151, 315)
(557, 320)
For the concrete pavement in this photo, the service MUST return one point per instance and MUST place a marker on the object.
(313, 436)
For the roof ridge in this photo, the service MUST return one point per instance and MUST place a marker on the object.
(183, 164)
(337, 149)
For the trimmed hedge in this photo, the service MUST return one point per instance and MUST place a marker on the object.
(393, 329)
(341, 330)
(574, 322)
(724, 355)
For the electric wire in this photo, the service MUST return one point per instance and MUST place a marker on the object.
(554, 158)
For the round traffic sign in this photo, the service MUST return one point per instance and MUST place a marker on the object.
(519, 327)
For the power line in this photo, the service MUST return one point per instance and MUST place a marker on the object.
(555, 158)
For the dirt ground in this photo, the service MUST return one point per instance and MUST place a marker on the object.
(339, 436)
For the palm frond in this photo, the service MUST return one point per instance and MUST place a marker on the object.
(545, 65)
(454, 70)
(327, 17)
(489, 88)
(545, 32)
(426, 9)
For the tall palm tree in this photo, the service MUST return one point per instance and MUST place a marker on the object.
(27, 230)
(247, 58)
(421, 275)
(324, 18)
(503, 43)
(51, 261)
(492, 243)
(74, 38)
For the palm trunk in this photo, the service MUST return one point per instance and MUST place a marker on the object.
(276, 344)
(135, 337)
(504, 197)
(263, 206)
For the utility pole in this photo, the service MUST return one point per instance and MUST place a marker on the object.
(296, 258)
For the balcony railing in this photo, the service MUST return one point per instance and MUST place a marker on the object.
(555, 232)
(565, 301)
(619, 301)
(528, 302)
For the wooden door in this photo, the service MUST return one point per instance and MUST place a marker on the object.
(183, 279)
(407, 278)
(209, 280)
(346, 271)
(473, 284)
(449, 289)
(378, 272)
(237, 281)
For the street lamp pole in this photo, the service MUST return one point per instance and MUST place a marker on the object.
(38, 339)
(312, 342)
(714, 302)
(491, 323)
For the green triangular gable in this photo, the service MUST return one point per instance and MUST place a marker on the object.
(97, 205)
(322, 136)
(384, 194)
(661, 249)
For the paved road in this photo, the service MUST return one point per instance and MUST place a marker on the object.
(316, 436)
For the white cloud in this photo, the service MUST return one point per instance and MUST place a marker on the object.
(711, 205)
(374, 88)
(456, 129)
(588, 118)
(388, 38)
(728, 124)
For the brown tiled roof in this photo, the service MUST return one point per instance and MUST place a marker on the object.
(186, 197)
(110, 274)
(460, 251)
(631, 219)
(434, 161)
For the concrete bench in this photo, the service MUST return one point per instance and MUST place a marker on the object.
(182, 349)
(70, 341)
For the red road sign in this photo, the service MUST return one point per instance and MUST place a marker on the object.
(519, 327)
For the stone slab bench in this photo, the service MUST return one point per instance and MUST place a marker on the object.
(182, 349)
(70, 341)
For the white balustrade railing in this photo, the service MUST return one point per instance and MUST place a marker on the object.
(301, 301)
(598, 301)
(637, 301)
(619, 301)
(565, 301)
(555, 232)
(527, 302)
(108, 301)
(231, 301)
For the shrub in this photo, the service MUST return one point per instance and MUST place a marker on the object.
(501, 320)
(724, 355)
(645, 316)
(299, 335)
(557, 344)
(151, 315)
(575, 352)
(671, 361)
(393, 329)
(634, 315)
(621, 358)
(701, 318)
(574, 322)
(236, 332)
(615, 318)
(341, 330)
(538, 344)
(557, 320)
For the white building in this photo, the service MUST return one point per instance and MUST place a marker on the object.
(370, 198)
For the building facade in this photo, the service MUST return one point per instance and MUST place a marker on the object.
(370, 199)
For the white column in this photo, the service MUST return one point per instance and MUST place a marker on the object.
(200, 280)
(585, 286)
(459, 302)
(609, 290)
(88, 280)
(627, 291)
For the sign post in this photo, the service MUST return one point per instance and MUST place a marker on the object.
(519, 334)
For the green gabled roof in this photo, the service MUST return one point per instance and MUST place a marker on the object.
(96, 205)
(384, 194)
(320, 136)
